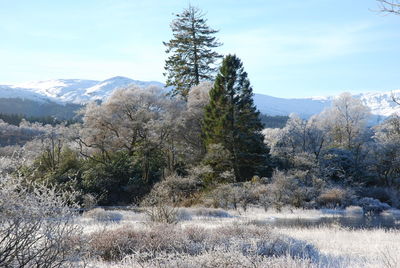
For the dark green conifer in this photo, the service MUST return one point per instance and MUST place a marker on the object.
(232, 120)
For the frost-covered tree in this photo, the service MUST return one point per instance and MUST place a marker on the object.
(190, 131)
(345, 121)
(330, 144)
(140, 122)
(18, 135)
(192, 58)
(386, 152)
(302, 135)
(300, 138)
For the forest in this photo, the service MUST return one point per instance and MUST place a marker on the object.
(140, 141)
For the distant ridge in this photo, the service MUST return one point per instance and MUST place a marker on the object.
(81, 91)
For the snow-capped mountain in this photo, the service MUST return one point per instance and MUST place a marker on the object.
(305, 107)
(381, 103)
(8, 92)
(79, 91)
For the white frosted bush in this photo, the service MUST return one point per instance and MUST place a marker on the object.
(36, 226)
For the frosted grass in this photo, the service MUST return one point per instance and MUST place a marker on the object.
(338, 247)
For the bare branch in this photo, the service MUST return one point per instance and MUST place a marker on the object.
(394, 99)
(389, 6)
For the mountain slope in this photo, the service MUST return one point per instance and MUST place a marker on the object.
(79, 91)
(304, 107)
(29, 108)
(7, 92)
(381, 103)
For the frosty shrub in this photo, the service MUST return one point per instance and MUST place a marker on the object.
(286, 189)
(335, 197)
(158, 206)
(383, 194)
(178, 188)
(371, 205)
(226, 196)
(36, 226)
(221, 196)
(161, 203)
(236, 195)
(147, 244)
(113, 244)
(11, 160)
(262, 192)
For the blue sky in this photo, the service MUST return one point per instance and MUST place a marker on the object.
(289, 48)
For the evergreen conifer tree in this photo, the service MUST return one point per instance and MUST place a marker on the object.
(232, 120)
(192, 58)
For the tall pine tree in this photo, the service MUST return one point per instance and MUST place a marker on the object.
(192, 58)
(232, 120)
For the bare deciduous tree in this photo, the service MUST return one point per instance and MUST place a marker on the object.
(346, 121)
(298, 136)
(134, 120)
(389, 6)
(190, 131)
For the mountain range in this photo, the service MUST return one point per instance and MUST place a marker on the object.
(73, 93)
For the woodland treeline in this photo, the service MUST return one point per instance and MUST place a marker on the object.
(141, 141)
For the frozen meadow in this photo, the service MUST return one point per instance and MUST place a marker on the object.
(205, 237)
